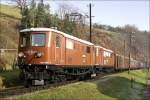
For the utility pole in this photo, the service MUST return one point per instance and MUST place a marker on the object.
(124, 51)
(90, 22)
(130, 49)
(129, 52)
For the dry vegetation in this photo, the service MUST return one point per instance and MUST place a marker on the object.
(9, 22)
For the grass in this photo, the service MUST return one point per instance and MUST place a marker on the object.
(9, 78)
(119, 85)
(112, 87)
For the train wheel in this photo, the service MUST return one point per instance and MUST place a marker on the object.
(28, 83)
(46, 82)
(21, 76)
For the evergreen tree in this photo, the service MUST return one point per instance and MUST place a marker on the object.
(32, 14)
(47, 18)
(25, 23)
(40, 14)
(55, 21)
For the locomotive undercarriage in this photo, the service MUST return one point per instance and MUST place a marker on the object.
(34, 75)
(44, 74)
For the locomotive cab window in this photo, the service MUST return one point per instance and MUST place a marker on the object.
(24, 39)
(57, 41)
(38, 40)
(87, 49)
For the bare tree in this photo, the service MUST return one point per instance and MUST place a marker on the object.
(21, 4)
(130, 28)
(65, 9)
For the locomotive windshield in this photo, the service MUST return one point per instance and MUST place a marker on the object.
(38, 39)
(27, 39)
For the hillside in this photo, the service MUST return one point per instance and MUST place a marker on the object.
(9, 27)
(9, 22)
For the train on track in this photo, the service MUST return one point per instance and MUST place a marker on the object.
(46, 54)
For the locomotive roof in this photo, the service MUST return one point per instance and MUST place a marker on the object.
(53, 30)
(105, 49)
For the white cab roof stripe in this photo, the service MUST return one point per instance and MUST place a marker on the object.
(53, 30)
(104, 48)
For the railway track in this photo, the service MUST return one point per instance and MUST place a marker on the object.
(6, 93)
(20, 90)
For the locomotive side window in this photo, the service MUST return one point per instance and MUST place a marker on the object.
(87, 49)
(69, 44)
(38, 39)
(97, 52)
(107, 54)
(57, 41)
(24, 41)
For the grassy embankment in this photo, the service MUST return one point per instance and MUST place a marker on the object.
(112, 87)
(9, 78)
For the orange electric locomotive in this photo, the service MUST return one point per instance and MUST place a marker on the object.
(47, 54)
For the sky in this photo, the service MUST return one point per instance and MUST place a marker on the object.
(110, 12)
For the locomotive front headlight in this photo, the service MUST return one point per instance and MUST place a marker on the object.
(38, 54)
(21, 54)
